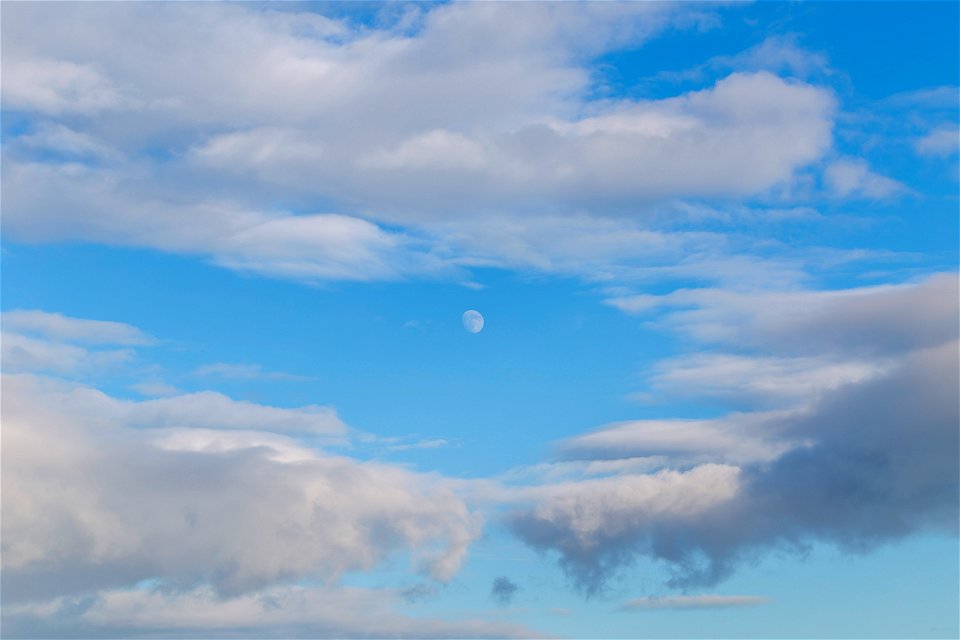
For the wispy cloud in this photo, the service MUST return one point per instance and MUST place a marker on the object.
(244, 372)
(328, 612)
(56, 326)
(36, 340)
(853, 178)
(944, 141)
(706, 601)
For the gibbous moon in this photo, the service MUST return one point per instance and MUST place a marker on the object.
(472, 321)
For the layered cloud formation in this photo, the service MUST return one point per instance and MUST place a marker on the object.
(209, 497)
(437, 144)
(440, 123)
(859, 462)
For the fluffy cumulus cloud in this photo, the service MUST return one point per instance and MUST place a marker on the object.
(93, 501)
(397, 149)
(865, 460)
(624, 151)
(431, 142)
(197, 513)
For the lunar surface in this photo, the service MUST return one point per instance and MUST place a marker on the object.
(472, 321)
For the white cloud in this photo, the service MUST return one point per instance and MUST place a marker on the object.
(853, 178)
(57, 138)
(74, 202)
(93, 501)
(486, 72)
(735, 439)
(932, 98)
(38, 341)
(779, 54)
(56, 86)
(62, 328)
(943, 141)
(431, 443)
(571, 244)
(278, 448)
(444, 130)
(204, 409)
(20, 353)
(154, 388)
(208, 409)
(713, 142)
(872, 321)
(766, 380)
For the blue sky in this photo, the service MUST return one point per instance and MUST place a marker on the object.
(715, 248)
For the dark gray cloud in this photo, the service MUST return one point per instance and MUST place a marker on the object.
(418, 592)
(880, 462)
(503, 590)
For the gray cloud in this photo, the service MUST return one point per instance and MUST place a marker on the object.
(502, 115)
(56, 326)
(21, 353)
(881, 464)
(856, 463)
(867, 321)
(200, 410)
(852, 177)
(503, 590)
(755, 380)
(735, 439)
(285, 612)
(92, 502)
(41, 341)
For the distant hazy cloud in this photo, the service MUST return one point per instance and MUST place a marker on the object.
(302, 612)
(706, 601)
(942, 141)
(503, 590)
(56, 326)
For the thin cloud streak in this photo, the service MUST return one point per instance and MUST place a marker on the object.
(706, 601)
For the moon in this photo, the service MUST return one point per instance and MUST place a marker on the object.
(472, 321)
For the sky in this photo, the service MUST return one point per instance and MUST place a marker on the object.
(714, 246)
